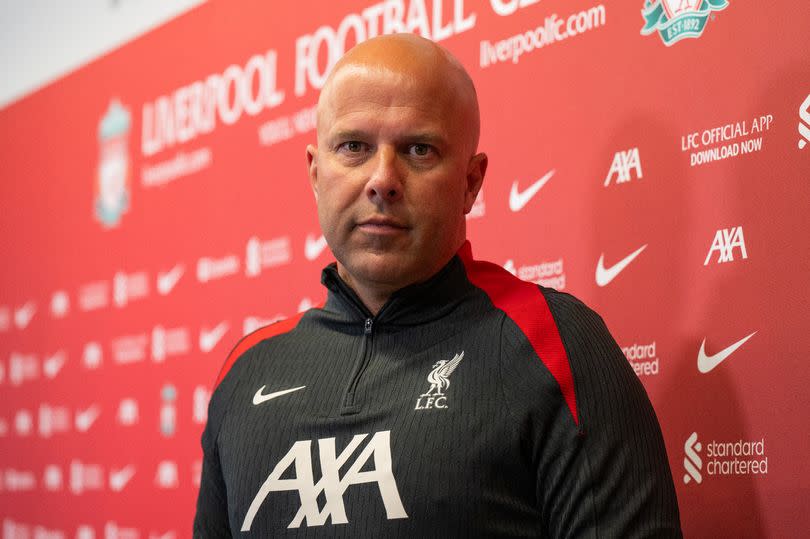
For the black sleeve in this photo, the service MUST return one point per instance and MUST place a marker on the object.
(211, 519)
(608, 475)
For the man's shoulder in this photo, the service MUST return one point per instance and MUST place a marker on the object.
(254, 339)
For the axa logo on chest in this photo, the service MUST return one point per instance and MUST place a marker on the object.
(331, 486)
(723, 458)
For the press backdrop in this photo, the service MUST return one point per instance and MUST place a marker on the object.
(650, 158)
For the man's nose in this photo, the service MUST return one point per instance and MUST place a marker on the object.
(385, 182)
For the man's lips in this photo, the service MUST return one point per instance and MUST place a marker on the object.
(381, 224)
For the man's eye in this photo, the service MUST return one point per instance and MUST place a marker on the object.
(420, 150)
(353, 146)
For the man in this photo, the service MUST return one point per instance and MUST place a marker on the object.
(432, 395)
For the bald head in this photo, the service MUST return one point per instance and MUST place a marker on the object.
(416, 62)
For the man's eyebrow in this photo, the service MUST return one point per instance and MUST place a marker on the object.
(350, 134)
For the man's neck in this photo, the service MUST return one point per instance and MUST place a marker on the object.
(372, 296)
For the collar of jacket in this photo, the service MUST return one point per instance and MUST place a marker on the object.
(415, 304)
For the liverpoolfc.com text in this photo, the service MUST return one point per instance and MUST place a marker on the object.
(554, 29)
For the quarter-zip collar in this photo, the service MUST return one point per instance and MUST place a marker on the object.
(415, 304)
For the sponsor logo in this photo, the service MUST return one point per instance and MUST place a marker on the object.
(518, 199)
(84, 531)
(86, 418)
(624, 162)
(723, 142)
(439, 380)
(130, 348)
(804, 122)
(85, 477)
(15, 530)
(166, 281)
(305, 304)
(112, 191)
(261, 254)
(723, 458)
(200, 398)
(259, 398)
(252, 323)
(209, 338)
(313, 247)
(196, 473)
(166, 474)
(707, 363)
(127, 412)
(605, 275)
(550, 274)
(52, 364)
(24, 314)
(92, 355)
(120, 478)
(113, 531)
(167, 535)
(22, 367)
(53, 420)
(724, 243)
(95, 295)
(554, 29)
(331, 485)
(19, 480)
(169, 342)
(127, 287)
(52, 478)
(5, 318)
(479, 207)
(168, 410)
(60, 304)
(23, 422)
(678, 19)
(643, 358)
(209, 269)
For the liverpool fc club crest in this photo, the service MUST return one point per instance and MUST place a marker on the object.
(439, 380)
(112, 175)
(678, 19)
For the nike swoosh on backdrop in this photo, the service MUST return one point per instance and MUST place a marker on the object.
(706, 362)
(258, 398)
(605, 275)
(519, 199)
(314, 247)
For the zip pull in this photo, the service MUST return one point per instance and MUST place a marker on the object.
(368, 326)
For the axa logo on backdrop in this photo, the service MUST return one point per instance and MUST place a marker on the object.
(724, 243)
(678, 19)
(624, 162)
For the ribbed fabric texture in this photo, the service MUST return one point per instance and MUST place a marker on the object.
(503, 457)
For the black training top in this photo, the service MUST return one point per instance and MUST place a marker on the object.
(473, 404)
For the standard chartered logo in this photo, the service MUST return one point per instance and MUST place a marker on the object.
(691, 460)
(804, 122)
(723, 457)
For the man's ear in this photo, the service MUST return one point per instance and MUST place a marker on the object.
(312, 168)
(475, 177)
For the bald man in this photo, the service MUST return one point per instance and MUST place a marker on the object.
(433, 394)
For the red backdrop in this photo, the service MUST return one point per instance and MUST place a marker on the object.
(649, 157)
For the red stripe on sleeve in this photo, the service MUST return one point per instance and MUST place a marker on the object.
(282, 326)
(524, 303)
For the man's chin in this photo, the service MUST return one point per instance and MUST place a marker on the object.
(385, 270)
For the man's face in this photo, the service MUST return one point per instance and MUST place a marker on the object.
(393, 175)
